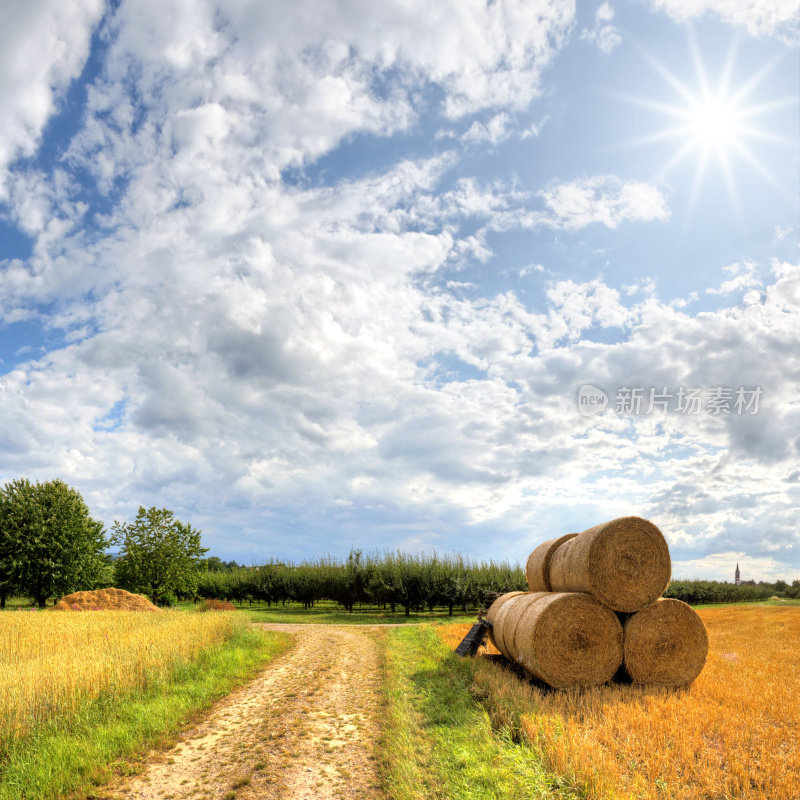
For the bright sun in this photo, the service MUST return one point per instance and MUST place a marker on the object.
(713, 124)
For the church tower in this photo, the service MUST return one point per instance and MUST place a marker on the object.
(736, 577)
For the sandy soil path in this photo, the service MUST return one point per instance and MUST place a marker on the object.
(304, 728)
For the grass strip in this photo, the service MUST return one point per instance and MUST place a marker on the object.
(438, 741)
(83, 751)
(331, 613)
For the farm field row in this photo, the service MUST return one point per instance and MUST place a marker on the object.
(79, 691)
(452, 728)
(732, 734)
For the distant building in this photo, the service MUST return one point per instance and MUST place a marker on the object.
(737, 578)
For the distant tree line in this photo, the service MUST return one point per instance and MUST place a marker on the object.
(697, 592)
(50, 546)
(418, 582)
(397, 580)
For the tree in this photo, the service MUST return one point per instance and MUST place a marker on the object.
(49, 544)
(214, 564)
(7, 568)
(160, 555)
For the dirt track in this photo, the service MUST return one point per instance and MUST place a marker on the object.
(304, 728)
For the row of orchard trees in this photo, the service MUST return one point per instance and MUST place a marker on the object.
(416, 582)
(398, 580)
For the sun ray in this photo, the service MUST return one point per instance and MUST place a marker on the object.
(714, 120)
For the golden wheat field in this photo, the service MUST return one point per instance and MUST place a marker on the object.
(51, 663)
(732, 734)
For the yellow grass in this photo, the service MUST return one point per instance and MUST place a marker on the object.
(732, 734)
(51, 663)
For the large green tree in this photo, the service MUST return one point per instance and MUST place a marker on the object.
(160, 555)
(49, 544)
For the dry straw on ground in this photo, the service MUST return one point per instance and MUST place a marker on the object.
(624, 564)
(564, 639)
(732, 733)
(213, 604)
(104, 600)
(537, 569)
(665, 644)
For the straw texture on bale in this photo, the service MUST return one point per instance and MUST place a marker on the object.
(665, 644)
(624, 564)
(537, 569)
(494, 610)
(564, 639)
(104, 600)
(512, 619)
(506, 621)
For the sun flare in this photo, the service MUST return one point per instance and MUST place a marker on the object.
(713, 124)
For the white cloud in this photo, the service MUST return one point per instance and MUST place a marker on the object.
(743, 277)
(495, 130)
(721, 567)
(253, 350)
(603, 199)
(603, 35)
(758, 17)
(43, 47)
(299, 89)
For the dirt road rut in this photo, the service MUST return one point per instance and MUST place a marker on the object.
(304, 728)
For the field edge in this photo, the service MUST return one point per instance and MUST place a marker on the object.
(74, 757)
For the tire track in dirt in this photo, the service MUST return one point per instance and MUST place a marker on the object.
(304, 728)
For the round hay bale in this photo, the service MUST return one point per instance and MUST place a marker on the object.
(568, 639)
(492, 617)
(511, 619)
(665, 644)
(104, 600)
(624, 564)
(538, 566)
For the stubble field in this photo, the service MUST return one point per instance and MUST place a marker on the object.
(731, 734)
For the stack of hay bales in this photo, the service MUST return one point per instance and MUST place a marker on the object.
(595, 605)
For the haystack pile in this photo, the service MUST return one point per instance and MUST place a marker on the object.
(104, 600)
(594, 606)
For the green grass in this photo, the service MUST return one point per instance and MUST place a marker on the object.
(329, 612)
(438, 741)
(72, 755)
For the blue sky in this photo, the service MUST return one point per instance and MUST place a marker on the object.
(332, 275)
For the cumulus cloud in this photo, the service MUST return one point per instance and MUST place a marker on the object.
(492, 131)
(758, 17)
(603, 199)
(721, 567)
(603, 35)
(257, 349)
(43, 47)
(299, 80)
